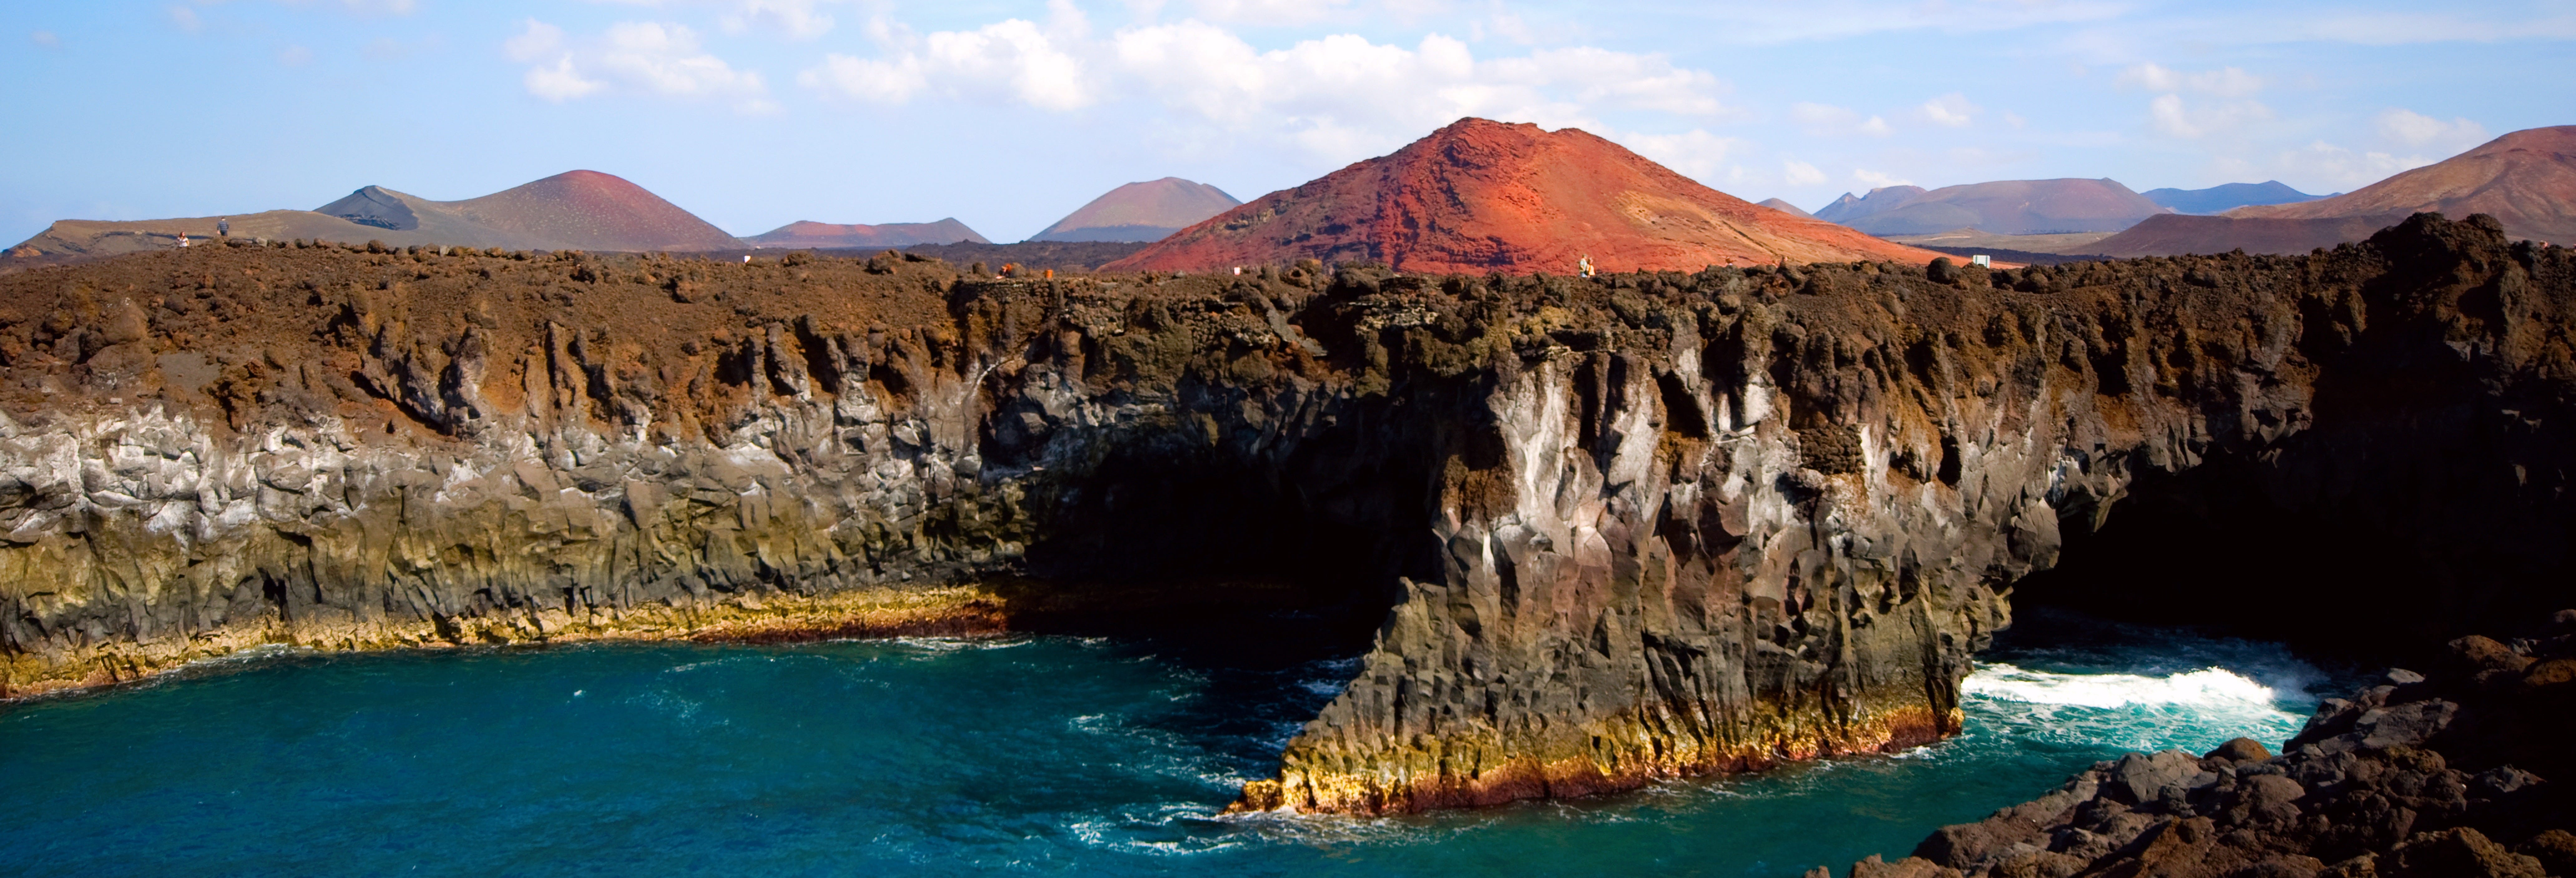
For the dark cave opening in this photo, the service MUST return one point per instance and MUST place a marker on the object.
(2258, 549)
(1245, 559)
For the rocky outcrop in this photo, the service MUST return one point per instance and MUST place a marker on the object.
(2421, 775)
(1608, 530)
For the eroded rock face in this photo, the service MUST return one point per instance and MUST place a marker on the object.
(1630, 528)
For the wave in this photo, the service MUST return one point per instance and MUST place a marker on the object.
(2207, 687)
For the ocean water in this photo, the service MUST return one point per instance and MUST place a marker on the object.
(1030, 755)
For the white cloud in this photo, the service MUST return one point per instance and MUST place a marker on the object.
(1950, 111)
(1268, 12)
(295, 56)
(1878, 179)
(2419, 131)
(1011, 60)
(1696, 153)
(536, 39)
(640, 57)
(559, 82)
(1342, 96)
(186, 19)
(2225, 82)
(44, 38)
(2342, 168)
(2170, 115)
(1797, 173)
(1826, 120)
(796, 18)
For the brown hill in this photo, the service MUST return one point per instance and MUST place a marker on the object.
(1785, 207)
(1486, 196)
(1147, 211)
(2014, 207)
(593, 211)
(806, 233)
(580, 210)
(1851, 207)
(2178, 234)
(2526, 180)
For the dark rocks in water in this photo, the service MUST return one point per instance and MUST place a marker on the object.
(2425, 776)
(1606, 530)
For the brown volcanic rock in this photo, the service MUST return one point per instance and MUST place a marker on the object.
(807, 233)
(2526, 180)
(2014, 207)
(1146, 211)
(1483, 196)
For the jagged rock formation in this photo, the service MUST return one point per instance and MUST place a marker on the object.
(1616, 529)
(2420, 775)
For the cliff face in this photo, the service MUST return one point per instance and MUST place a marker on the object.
(1622, 529)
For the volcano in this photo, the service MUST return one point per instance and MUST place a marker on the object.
(589, 210)
(2526, 180)
(1482, 196)
(1147, 211)
(576, 210)
(807, 233)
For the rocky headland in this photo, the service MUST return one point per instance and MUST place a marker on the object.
(2441, 774)
(1604, 530)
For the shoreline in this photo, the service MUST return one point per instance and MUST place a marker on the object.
(959, 611)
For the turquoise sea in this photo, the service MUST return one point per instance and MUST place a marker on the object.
(1036, 755)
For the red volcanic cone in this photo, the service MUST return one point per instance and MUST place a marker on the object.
(1484, 196)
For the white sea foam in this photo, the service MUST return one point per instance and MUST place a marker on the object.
(2207, 687)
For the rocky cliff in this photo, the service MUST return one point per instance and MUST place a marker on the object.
(1608, 530)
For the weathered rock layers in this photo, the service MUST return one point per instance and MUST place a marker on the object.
(1649, 525)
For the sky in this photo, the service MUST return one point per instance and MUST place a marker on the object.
(1008, 115)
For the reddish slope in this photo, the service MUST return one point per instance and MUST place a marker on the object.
(1484, 196)
(2526, 180)
(806, 233)
(1141, 212)
(594, 211)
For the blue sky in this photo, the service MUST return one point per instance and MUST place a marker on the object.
(1007, 115)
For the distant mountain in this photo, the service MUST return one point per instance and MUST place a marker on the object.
(1482, 196)
(1145, 211)
(1786, 207)
(1883, 198)
(2010, 207)
(2222, 198)
(2526, 180)
(578, 210)
(805, 233)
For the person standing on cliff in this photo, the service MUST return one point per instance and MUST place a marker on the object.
(1583, 266)
(223, 228)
